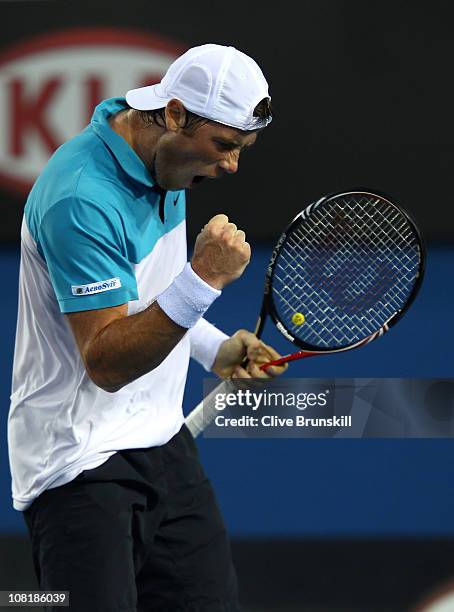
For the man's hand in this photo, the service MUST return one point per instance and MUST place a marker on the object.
(221, 252)
(243, 344)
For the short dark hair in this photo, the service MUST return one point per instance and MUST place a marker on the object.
(157, 116)
(263, 111)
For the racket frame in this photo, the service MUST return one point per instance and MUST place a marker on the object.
(269, 309)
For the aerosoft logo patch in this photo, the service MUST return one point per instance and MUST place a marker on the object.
(99, 287)
(50, 84)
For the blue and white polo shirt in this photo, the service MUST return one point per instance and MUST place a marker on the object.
(96, 233)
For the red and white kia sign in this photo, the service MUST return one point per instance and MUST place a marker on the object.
(49, 86)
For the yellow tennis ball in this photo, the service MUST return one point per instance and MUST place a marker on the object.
(298, 318)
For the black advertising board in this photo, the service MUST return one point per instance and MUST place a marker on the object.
(362, 97)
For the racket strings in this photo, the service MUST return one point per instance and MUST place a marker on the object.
(372, 230)
(289, 310)
(327, 323)
(331, 320)
(350, 254)
(355, 288)
(347, 267)
(359, 283)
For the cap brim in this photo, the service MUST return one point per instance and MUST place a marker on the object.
(147, 98)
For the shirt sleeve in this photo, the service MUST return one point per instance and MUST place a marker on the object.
(84, 247)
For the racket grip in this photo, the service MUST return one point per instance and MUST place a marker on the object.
(205, 412)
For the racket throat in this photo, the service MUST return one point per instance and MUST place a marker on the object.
(305, 354)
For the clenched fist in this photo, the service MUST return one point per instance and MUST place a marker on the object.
(221, 252)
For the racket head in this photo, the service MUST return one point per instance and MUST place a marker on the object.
(360, 258)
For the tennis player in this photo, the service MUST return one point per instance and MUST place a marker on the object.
(118, 507)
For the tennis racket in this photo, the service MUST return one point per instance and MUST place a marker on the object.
(344, 271)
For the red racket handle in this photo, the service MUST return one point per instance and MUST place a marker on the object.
(287, 358)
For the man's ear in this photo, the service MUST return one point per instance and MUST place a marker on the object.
(175, 115)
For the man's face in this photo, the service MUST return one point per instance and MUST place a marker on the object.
(185, 157)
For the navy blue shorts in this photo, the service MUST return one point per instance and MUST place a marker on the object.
(141, 532)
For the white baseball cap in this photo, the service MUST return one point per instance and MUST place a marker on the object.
(216, 82)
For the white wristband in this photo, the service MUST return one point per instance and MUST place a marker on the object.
(205, 342)
(187, 299)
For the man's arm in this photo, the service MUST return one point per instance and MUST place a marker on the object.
(117, 349)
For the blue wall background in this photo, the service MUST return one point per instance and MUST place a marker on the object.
(309, 487)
